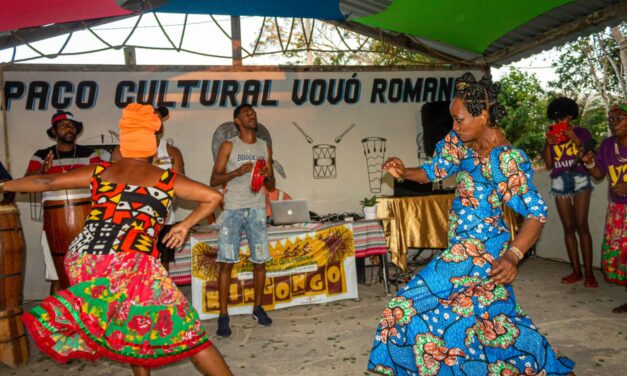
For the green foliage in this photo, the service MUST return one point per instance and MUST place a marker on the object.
(525, 100)
(368, 201)
(591, 64)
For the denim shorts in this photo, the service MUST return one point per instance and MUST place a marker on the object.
(251, 221)
(567, 184)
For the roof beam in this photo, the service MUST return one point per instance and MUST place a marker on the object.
(397, 40)
(12, 39)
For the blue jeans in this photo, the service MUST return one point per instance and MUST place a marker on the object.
(567, 184)
(253, 222)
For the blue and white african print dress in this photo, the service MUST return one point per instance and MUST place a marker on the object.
(450, 319)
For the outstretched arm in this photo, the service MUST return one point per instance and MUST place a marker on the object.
(397, 169)
(79, 178)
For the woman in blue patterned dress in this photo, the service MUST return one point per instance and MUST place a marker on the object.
(459, 316)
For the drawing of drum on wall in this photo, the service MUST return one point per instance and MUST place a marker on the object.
(374, 151)
(324, 162)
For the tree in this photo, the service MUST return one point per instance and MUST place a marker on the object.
(597, 64)
(318, 43)
(525, 101)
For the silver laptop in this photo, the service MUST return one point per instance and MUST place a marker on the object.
(289, 212)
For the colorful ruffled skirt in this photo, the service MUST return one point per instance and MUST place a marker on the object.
(121, 306)
(614, 248)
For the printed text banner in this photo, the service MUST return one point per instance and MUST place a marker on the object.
(310, 268)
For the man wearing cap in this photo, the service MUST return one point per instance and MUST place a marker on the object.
(64, 156)
(244, 210)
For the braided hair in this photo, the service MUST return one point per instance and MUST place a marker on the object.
(480, 95)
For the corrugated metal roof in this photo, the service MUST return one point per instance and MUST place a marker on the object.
(362, 8)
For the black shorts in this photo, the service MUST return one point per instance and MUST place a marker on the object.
(165, 254)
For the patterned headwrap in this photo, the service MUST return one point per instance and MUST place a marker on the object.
(480, 95)
(137, 131)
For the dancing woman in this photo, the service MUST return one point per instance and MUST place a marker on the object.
(458, 315)
(121, 303)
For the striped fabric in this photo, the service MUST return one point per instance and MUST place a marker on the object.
(368, 235)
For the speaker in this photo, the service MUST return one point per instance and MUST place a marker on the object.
(410, 188)
(436, 123)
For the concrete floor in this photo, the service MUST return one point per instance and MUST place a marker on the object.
(335, 338)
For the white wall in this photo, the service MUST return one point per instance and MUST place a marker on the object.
(192, 129)
(551, 244)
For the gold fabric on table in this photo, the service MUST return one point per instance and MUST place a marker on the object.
(418, 222)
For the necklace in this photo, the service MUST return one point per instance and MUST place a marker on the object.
(620, 158)
(56, 149)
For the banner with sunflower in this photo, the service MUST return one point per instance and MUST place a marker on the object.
(306, 268)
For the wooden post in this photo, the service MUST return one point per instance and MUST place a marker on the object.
(236, 41)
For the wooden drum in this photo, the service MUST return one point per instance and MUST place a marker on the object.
(13, 341)
(63, 220)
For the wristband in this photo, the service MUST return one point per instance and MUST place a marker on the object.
(1, 186)
(590, 165)
(516, 252)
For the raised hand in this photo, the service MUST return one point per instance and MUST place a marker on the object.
(395, 167)
(48, 162)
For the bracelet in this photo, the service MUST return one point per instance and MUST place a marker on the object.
(1, 186)
(590, 165)
(399, 180)
(516, 252)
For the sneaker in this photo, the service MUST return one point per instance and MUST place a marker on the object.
(260, 315)
(223, 326)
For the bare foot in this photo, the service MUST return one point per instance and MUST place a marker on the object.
(621, 309)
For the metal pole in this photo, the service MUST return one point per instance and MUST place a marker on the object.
(236, 40)
(5, 127)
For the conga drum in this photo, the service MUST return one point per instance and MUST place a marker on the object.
(63, 220)
(13, 341)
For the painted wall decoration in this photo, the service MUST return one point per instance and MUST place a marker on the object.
(374, 151)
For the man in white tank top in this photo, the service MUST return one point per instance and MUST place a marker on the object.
(244, 210)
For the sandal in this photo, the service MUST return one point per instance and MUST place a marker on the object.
(620, 309)
(572, 278)
(590, 282)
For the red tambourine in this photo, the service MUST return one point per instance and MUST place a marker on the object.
(256, 181)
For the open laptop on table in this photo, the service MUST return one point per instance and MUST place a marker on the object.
(289, 212)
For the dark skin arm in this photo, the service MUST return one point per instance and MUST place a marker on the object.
(397, 169)
(268, 172)
(208, 199)
(177, 159)
(78, 178)
(219, 175)
(504, 269)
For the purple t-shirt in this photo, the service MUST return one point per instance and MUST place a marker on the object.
(608, 163)
(565, 154)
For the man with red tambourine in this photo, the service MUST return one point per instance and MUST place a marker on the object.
(243, 164)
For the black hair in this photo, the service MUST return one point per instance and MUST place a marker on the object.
(163, 111)
(480, 95)
(561, 107)
(239, 109)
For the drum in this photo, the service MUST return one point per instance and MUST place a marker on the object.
(63, 220)
(324, 162)
(13, 341)
(374, 151)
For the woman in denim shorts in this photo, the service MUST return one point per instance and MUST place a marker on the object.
(570, 185)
